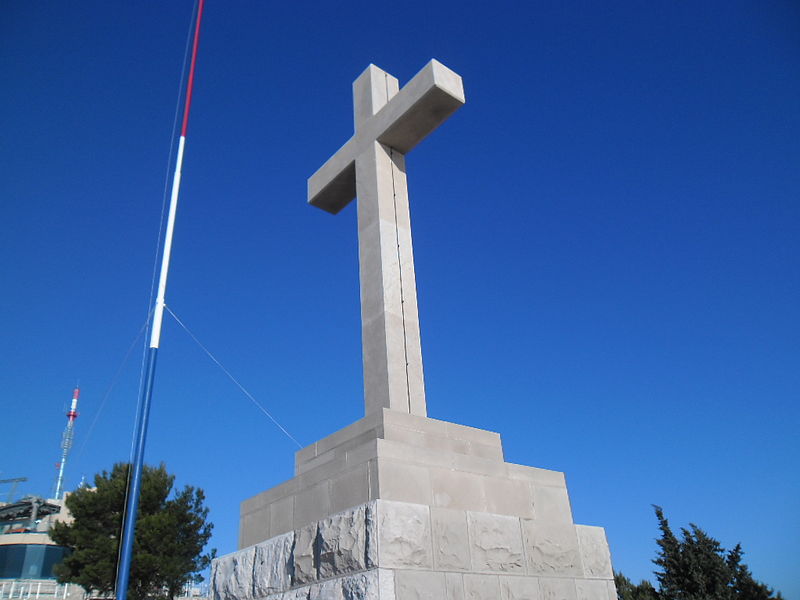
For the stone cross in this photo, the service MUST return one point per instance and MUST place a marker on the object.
(389, 122)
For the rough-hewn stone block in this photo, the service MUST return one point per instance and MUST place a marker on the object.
(272, 565)
(481, 587)
(361, 586)
(305, 568)
(296, 594)
(591, 589)
(557, 589)
(342, 541)
(552, 549)
(495, 543)
(519, 588)
(612, 590)
(454, 584)
(232, 576)
(326, 590)
(450, 539)
(404, 535)
(419, 585)
(595, 556)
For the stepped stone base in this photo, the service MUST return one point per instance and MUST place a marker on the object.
(402, 507)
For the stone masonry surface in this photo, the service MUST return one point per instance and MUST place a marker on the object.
(403, 551)
(406, 458)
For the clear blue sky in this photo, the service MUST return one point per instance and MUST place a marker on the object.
(606, 239)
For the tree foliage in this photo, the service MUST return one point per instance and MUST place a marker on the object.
(627, 590)
(170, 535)
(695, 567)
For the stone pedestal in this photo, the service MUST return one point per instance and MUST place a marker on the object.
(403, 507)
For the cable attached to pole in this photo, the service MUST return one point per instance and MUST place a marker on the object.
(143, 413)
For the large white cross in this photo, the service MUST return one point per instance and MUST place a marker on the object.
(389, 122)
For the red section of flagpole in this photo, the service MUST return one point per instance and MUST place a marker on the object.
(190, 84)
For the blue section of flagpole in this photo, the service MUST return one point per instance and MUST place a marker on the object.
(132, 504)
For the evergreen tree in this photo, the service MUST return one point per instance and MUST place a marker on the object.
(695, 567)
(170, 535)
(627, 590)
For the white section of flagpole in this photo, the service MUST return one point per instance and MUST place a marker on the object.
(140, 435)
(158, 313)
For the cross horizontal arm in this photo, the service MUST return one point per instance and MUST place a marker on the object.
(421, 106)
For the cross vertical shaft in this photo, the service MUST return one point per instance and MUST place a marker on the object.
(392, 352)
(371, 166)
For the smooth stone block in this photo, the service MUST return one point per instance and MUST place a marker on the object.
(557, 589)
(342, 542)
(495, 543)
(457, 490)
(281, 516)
(552, 504)
(404, 535)
(508, 497)
(321, 473)
(305, 569)
(419, 585)
(315, 461)
(591, 589)
(413, 455)
(481, 587)
(312, 504)
(403, 482)
(366, 452)
(351, 488)
(552, 548)
(393, 419)
(543, 477)
(265, 498)
(519, 588)
(481, 466)
(486, 451)
(272, 565)
(344, 435)
(595, 555)
(254, 527)
(473, 434)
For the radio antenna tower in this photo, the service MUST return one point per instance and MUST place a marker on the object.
(66, 442)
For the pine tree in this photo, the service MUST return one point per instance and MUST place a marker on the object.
(169, 541)
(627, 590)
(695, 567)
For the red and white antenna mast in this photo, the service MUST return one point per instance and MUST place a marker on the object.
(66, 442)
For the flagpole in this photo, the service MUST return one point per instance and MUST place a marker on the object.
(142, 417)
